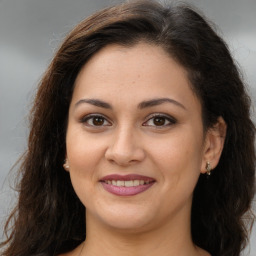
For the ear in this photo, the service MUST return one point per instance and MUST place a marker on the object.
(213, 145)
(66, 164)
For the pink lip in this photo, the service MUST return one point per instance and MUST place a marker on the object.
(126, 191)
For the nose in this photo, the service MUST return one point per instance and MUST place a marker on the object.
(125, 148)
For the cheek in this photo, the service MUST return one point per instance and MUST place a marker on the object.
(83, 163)
(83, 152)
(178, 158)
(181, 149)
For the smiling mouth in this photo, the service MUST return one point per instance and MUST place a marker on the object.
(127, 185)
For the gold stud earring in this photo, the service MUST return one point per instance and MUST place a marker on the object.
(65, 165)
(208, 168)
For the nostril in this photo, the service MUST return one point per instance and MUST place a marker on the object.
(125, 149)
(124, 159)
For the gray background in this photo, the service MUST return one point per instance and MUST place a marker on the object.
(30, 32)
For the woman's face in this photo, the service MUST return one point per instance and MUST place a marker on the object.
(135, 141)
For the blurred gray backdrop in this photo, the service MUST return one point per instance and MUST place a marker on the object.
(30, 32)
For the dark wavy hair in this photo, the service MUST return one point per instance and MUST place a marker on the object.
(49, 218)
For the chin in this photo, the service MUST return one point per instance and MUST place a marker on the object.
(129, 225)
(129, 220)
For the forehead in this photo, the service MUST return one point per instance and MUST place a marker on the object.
(140, 71)
(132, 60)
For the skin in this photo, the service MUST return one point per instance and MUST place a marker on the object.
(127, 140)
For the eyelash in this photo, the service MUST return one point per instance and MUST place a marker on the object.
(92, 117)
(85, 120)
(167, 118)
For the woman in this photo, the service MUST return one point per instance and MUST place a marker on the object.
(144, 105)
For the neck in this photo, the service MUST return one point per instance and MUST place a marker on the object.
(170, 239)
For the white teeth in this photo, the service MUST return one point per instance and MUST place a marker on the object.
(120, 183)
(127, 183)
(136, 183)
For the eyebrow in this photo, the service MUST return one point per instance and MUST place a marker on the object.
(95, 102)
(156, 102)
(142, 105)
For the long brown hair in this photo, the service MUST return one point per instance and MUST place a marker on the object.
(49, 218)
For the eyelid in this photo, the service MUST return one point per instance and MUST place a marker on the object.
(85, 118)
(171, 120)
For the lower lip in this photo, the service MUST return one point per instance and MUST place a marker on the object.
(126, 191)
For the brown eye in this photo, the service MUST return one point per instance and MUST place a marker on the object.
(95, 120)
(159, 121)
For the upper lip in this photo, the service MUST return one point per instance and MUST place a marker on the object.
(127, 177)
